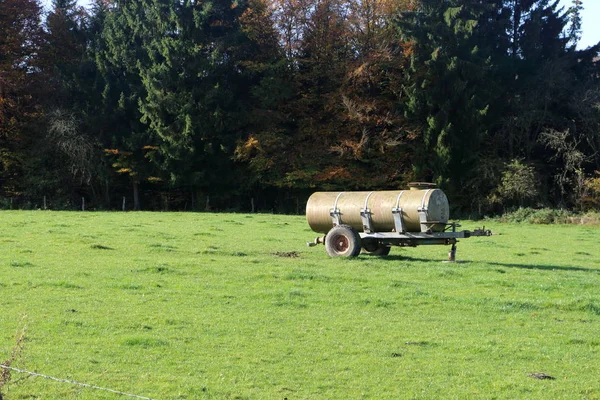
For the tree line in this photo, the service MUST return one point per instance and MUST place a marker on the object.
(254, 104)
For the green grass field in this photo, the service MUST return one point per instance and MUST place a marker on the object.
(235, 306)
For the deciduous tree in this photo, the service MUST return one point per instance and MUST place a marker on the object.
(20, 41)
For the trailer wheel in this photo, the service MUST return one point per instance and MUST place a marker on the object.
(374, 248)
(342, 241)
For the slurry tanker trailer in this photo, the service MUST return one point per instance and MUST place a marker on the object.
(374, 221)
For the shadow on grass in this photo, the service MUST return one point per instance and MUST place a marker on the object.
(398, 257)
(543, 267)
(497, 264)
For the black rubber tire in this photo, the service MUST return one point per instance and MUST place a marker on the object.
(342, 241)
(374, 248)
(382, 251)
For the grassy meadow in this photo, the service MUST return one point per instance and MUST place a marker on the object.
(235, 306)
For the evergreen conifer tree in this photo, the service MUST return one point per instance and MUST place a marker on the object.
(448, 84)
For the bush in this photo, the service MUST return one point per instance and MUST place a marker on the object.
(538, 216)
(549, 216)
(591, 196)
(519, 183)
(589, 218)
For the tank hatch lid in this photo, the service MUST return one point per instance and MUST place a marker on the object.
(421, 185)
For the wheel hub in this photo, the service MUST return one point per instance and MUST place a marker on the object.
(341, 243)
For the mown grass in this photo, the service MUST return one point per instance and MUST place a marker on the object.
(234, 306)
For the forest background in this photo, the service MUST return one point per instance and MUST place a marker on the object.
(252, 105)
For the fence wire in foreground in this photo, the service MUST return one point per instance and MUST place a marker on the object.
(22, 371)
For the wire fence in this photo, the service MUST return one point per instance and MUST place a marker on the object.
(46, 203)
(85, 385)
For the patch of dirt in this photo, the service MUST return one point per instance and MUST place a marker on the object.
(287, 254)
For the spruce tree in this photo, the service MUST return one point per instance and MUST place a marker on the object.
(189, 71)
(575, 21)
(448, 86)
(119, 50)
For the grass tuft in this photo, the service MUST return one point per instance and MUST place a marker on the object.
(162, 247)
(129, 286)
(160, 269)
(145, 342)
(20, 264)
(303, 275)
(418, 343)
(63, 285)
(101, 247)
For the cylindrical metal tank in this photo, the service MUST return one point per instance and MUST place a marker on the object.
(380, 204)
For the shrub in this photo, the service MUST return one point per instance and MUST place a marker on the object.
(538, 216)
(589, 218)
(591, 197)
(518, 185)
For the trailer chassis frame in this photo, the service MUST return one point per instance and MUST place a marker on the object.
(450, 237)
